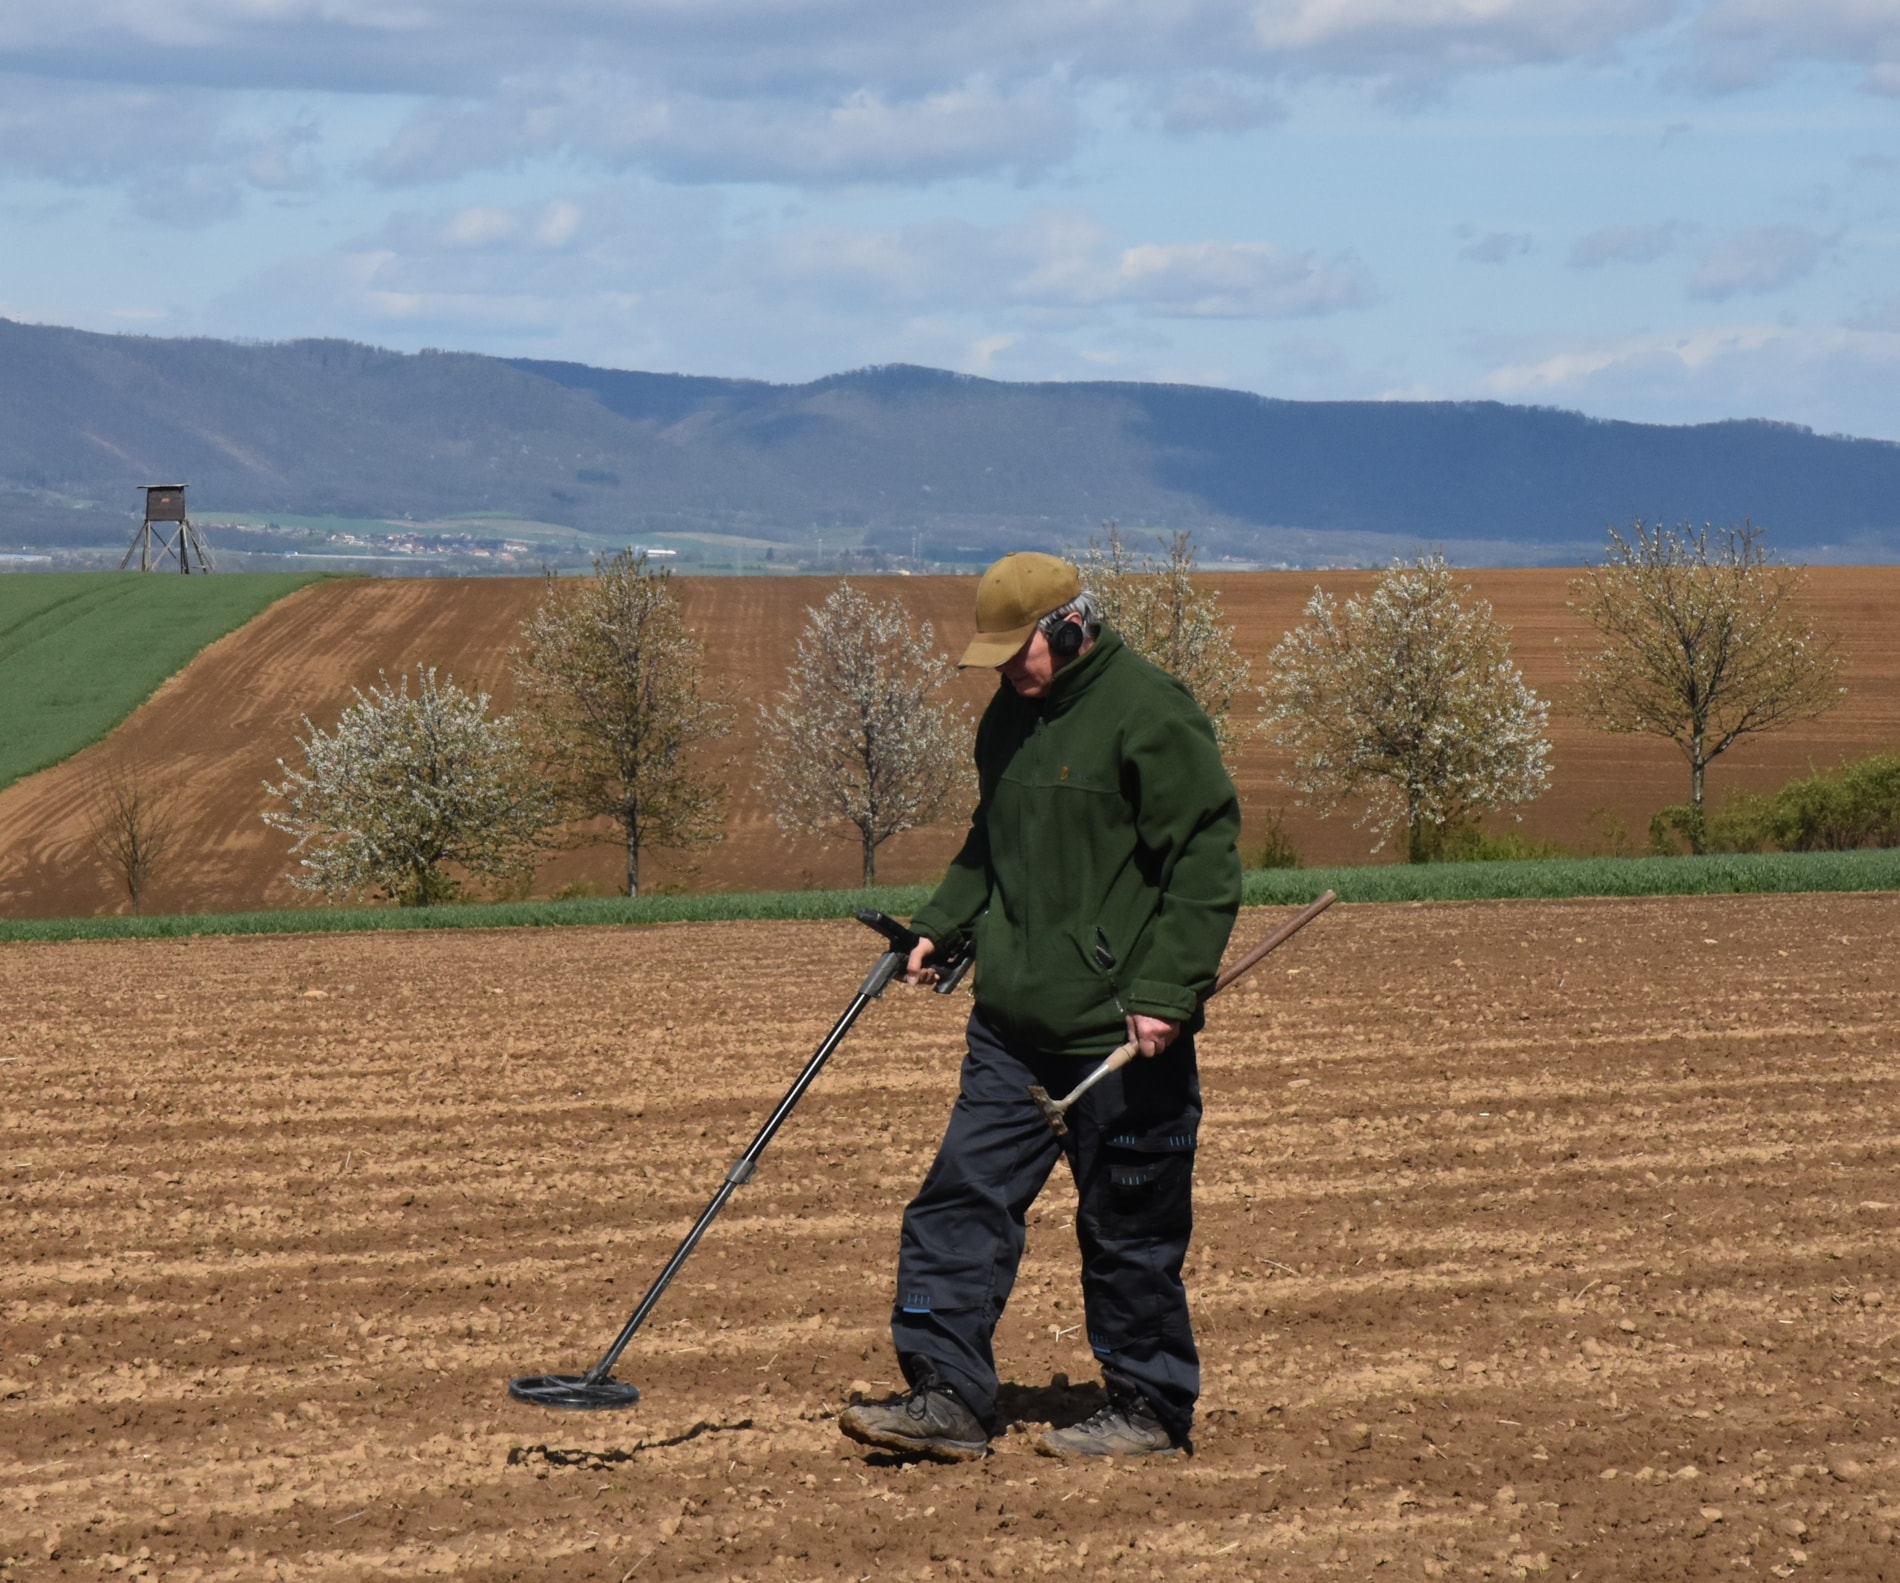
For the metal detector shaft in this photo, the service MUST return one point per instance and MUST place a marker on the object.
(889, 965)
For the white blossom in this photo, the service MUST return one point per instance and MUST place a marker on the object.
(404, 786)
(1166, 617)
(1408, 702)
(859, 739)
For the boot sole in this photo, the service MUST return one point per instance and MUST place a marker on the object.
(935, 1450)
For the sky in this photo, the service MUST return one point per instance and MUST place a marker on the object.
(1646, 209)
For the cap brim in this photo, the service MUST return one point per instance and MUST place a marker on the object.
(990, 649)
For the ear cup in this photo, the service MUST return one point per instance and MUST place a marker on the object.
(1065, 642)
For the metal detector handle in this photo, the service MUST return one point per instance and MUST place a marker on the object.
(950, 970)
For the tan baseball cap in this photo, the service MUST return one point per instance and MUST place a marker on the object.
(1013, 595)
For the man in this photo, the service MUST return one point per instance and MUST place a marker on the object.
(1100, 878)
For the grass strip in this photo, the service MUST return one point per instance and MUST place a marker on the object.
(716, 907)
(1544, 880)
(1556, 879)
(79, 651)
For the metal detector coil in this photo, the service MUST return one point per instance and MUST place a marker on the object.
(596, 1389)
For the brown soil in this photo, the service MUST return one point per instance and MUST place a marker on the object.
(217, 730)
(1534, 1240)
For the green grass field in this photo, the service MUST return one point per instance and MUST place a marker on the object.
(79, 651)
(1540, 880)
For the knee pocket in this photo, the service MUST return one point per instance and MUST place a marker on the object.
(1145, 1194)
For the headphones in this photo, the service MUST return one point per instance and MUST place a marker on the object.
(1065, 638)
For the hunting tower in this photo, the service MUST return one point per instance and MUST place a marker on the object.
(155, 539)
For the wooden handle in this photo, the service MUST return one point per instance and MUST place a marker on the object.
(1278, 938)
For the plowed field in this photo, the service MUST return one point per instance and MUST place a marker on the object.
(1534, 1240)
(217, 730)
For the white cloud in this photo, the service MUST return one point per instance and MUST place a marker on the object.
(663, 278)
(1749, 41)
(1228, 280)
(1881, 315)
(946, 262)
(1062, 261)
(1762, 259)
(743, 45)
(1839, 380)
(861, 136)
(479, 227)
(1626, 244)
(1406, 36)
(486, 226)
(182, 159)
(1197, 102)
(802, 91)
(1496, 247)
(95, 132)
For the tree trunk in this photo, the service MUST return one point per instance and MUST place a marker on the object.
(1698, 826)
(870, 862)
(633, 864)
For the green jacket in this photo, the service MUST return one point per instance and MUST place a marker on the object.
(1101, 874)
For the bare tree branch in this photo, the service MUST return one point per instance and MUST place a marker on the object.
(132, 823)
(610, 692)
(1703, 643)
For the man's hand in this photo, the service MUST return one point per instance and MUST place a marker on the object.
(917, 970)
(1151, 1035)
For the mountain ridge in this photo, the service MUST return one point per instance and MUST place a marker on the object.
(890, 458)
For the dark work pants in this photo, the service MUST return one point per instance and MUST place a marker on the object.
(1131, 1149)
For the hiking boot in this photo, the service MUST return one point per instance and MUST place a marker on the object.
(929, 1422)
(1124, 1428)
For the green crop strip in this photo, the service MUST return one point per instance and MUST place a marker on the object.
(1554, 879)
(1558, 879)
(79, 651)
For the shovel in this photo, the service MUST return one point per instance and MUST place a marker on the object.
(1053, 1109)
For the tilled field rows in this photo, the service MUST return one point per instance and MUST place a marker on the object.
(1534, 1239)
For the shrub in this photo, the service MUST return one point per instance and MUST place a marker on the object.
(1742, 824)
(1679, 828)
(1276, 849)
(1857, 806)
(1468, 843)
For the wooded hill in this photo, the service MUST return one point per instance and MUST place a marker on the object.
(879, 456)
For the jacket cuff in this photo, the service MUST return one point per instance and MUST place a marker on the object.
(1151, 998)
(939, 931)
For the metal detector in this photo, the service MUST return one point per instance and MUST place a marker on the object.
(595, 1389)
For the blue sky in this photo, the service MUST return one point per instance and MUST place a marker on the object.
(1638, 208)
